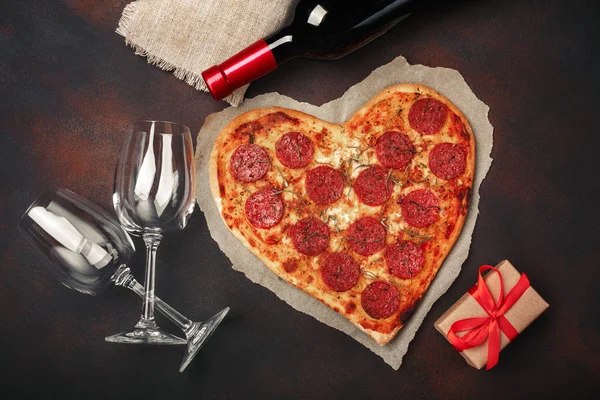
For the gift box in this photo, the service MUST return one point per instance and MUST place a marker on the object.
(491, 314)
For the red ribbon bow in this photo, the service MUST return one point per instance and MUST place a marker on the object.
(489, 327)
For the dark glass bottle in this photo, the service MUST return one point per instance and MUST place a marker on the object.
(326, 29)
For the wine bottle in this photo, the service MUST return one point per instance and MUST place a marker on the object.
(320, 29)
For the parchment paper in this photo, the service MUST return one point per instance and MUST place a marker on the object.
(446, 81)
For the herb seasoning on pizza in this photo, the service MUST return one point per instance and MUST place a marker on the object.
(359, 215)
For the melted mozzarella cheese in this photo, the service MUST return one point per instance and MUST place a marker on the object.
(344, 215)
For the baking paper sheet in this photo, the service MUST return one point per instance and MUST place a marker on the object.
(446, 81)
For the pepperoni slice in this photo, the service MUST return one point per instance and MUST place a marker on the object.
(427, 116)
(264, 209)
(366, 236)
(372, 186)
(394, 150)
(290, 266)
(294, 150)
(380, 299)
(324, 185)
(420, 208)
(249, 163)
(310, 236)
(404, 259)
(447, 161)
(340, 272)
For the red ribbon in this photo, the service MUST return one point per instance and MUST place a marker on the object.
(482, 328)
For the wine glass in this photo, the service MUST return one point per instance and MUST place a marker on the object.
(88, 250)
(153, 193)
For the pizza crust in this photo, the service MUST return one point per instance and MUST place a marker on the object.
(385, 111)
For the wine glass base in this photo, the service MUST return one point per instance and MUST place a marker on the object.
(199, 334)
(145, 336)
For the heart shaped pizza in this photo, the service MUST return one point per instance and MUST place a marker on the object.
(359, 215)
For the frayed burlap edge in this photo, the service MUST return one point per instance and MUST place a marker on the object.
(191, 78)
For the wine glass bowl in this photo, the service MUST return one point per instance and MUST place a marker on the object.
(83, 245)
(155, 178)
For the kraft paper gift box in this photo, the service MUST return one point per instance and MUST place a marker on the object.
(528, 306)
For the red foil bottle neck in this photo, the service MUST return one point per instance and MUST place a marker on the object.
(249, 64)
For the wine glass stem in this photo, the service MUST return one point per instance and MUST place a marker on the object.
(123, 277)
(152, 241)
(173, 315)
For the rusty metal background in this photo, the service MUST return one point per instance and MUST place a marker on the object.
(68, 87)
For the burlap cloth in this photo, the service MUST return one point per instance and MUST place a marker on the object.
(189, 36)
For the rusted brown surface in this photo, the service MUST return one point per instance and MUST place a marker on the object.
(69, 85)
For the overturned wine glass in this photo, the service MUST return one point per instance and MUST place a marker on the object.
(88, 250)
